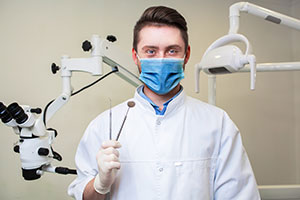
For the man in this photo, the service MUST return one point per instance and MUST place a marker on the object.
(171, 146)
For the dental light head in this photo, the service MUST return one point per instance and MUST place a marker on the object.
(221, 58)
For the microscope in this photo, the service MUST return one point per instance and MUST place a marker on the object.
(30, 124)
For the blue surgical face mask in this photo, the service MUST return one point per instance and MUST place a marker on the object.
(161, 75)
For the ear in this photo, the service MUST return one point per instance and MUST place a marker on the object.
(134, 56)
(135, 59)
(187, 54)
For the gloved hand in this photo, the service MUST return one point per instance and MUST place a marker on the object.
(108, 164)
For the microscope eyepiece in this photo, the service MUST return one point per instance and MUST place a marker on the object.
(4, 114)
(17, 113)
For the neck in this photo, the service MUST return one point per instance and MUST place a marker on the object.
(160, 99)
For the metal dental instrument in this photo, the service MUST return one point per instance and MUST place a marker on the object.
(130, 104)
(110, 120)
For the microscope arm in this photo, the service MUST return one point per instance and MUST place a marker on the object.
(127, 70)
(101, 51)
(35, 143)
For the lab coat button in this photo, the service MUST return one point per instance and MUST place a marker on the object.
(161, 169)
(158, 122)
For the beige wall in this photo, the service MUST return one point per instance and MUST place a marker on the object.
(296, 57)
(36, 33)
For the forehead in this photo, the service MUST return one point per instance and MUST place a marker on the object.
(160, 36)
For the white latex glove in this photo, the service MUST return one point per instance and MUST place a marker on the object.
(108, 164)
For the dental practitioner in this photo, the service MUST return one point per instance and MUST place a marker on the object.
(172, 147)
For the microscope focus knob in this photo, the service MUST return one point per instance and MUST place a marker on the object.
(43, 151)
(17, 149)
(54, 68)
(36, 110)
(111, 38)
(86, 45)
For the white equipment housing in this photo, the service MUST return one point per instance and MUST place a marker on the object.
(220, 59)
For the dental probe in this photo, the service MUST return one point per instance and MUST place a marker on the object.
(130, 104)
(110, 120)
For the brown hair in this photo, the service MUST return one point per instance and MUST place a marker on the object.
(160, 16)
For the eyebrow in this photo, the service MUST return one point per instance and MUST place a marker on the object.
(149, 47)
(174, 46)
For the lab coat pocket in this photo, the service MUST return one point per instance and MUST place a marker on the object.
(194, 178)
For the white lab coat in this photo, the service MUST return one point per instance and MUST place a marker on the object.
(192, 152)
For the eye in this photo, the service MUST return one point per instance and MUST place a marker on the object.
(172, 51)
(150, 51)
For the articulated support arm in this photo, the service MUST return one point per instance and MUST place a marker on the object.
(101, 51)
(258, 11)
(34, 145)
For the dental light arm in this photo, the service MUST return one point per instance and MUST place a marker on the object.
(217, 55)
(266, 191)
(34, 146)
(269, 15)
(220, 58)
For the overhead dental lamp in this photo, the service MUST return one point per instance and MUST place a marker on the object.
(221, 58)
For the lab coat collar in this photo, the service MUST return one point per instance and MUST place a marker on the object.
(175, 104)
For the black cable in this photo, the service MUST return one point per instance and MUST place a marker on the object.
(115, 69)
(45, 111)
(64, 170)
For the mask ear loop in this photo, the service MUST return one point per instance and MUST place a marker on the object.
(184, 57)
(138, 57)
(139, 67)
(183, 65)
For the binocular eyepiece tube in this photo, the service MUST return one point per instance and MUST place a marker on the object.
(13, 111)
(4, 114)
